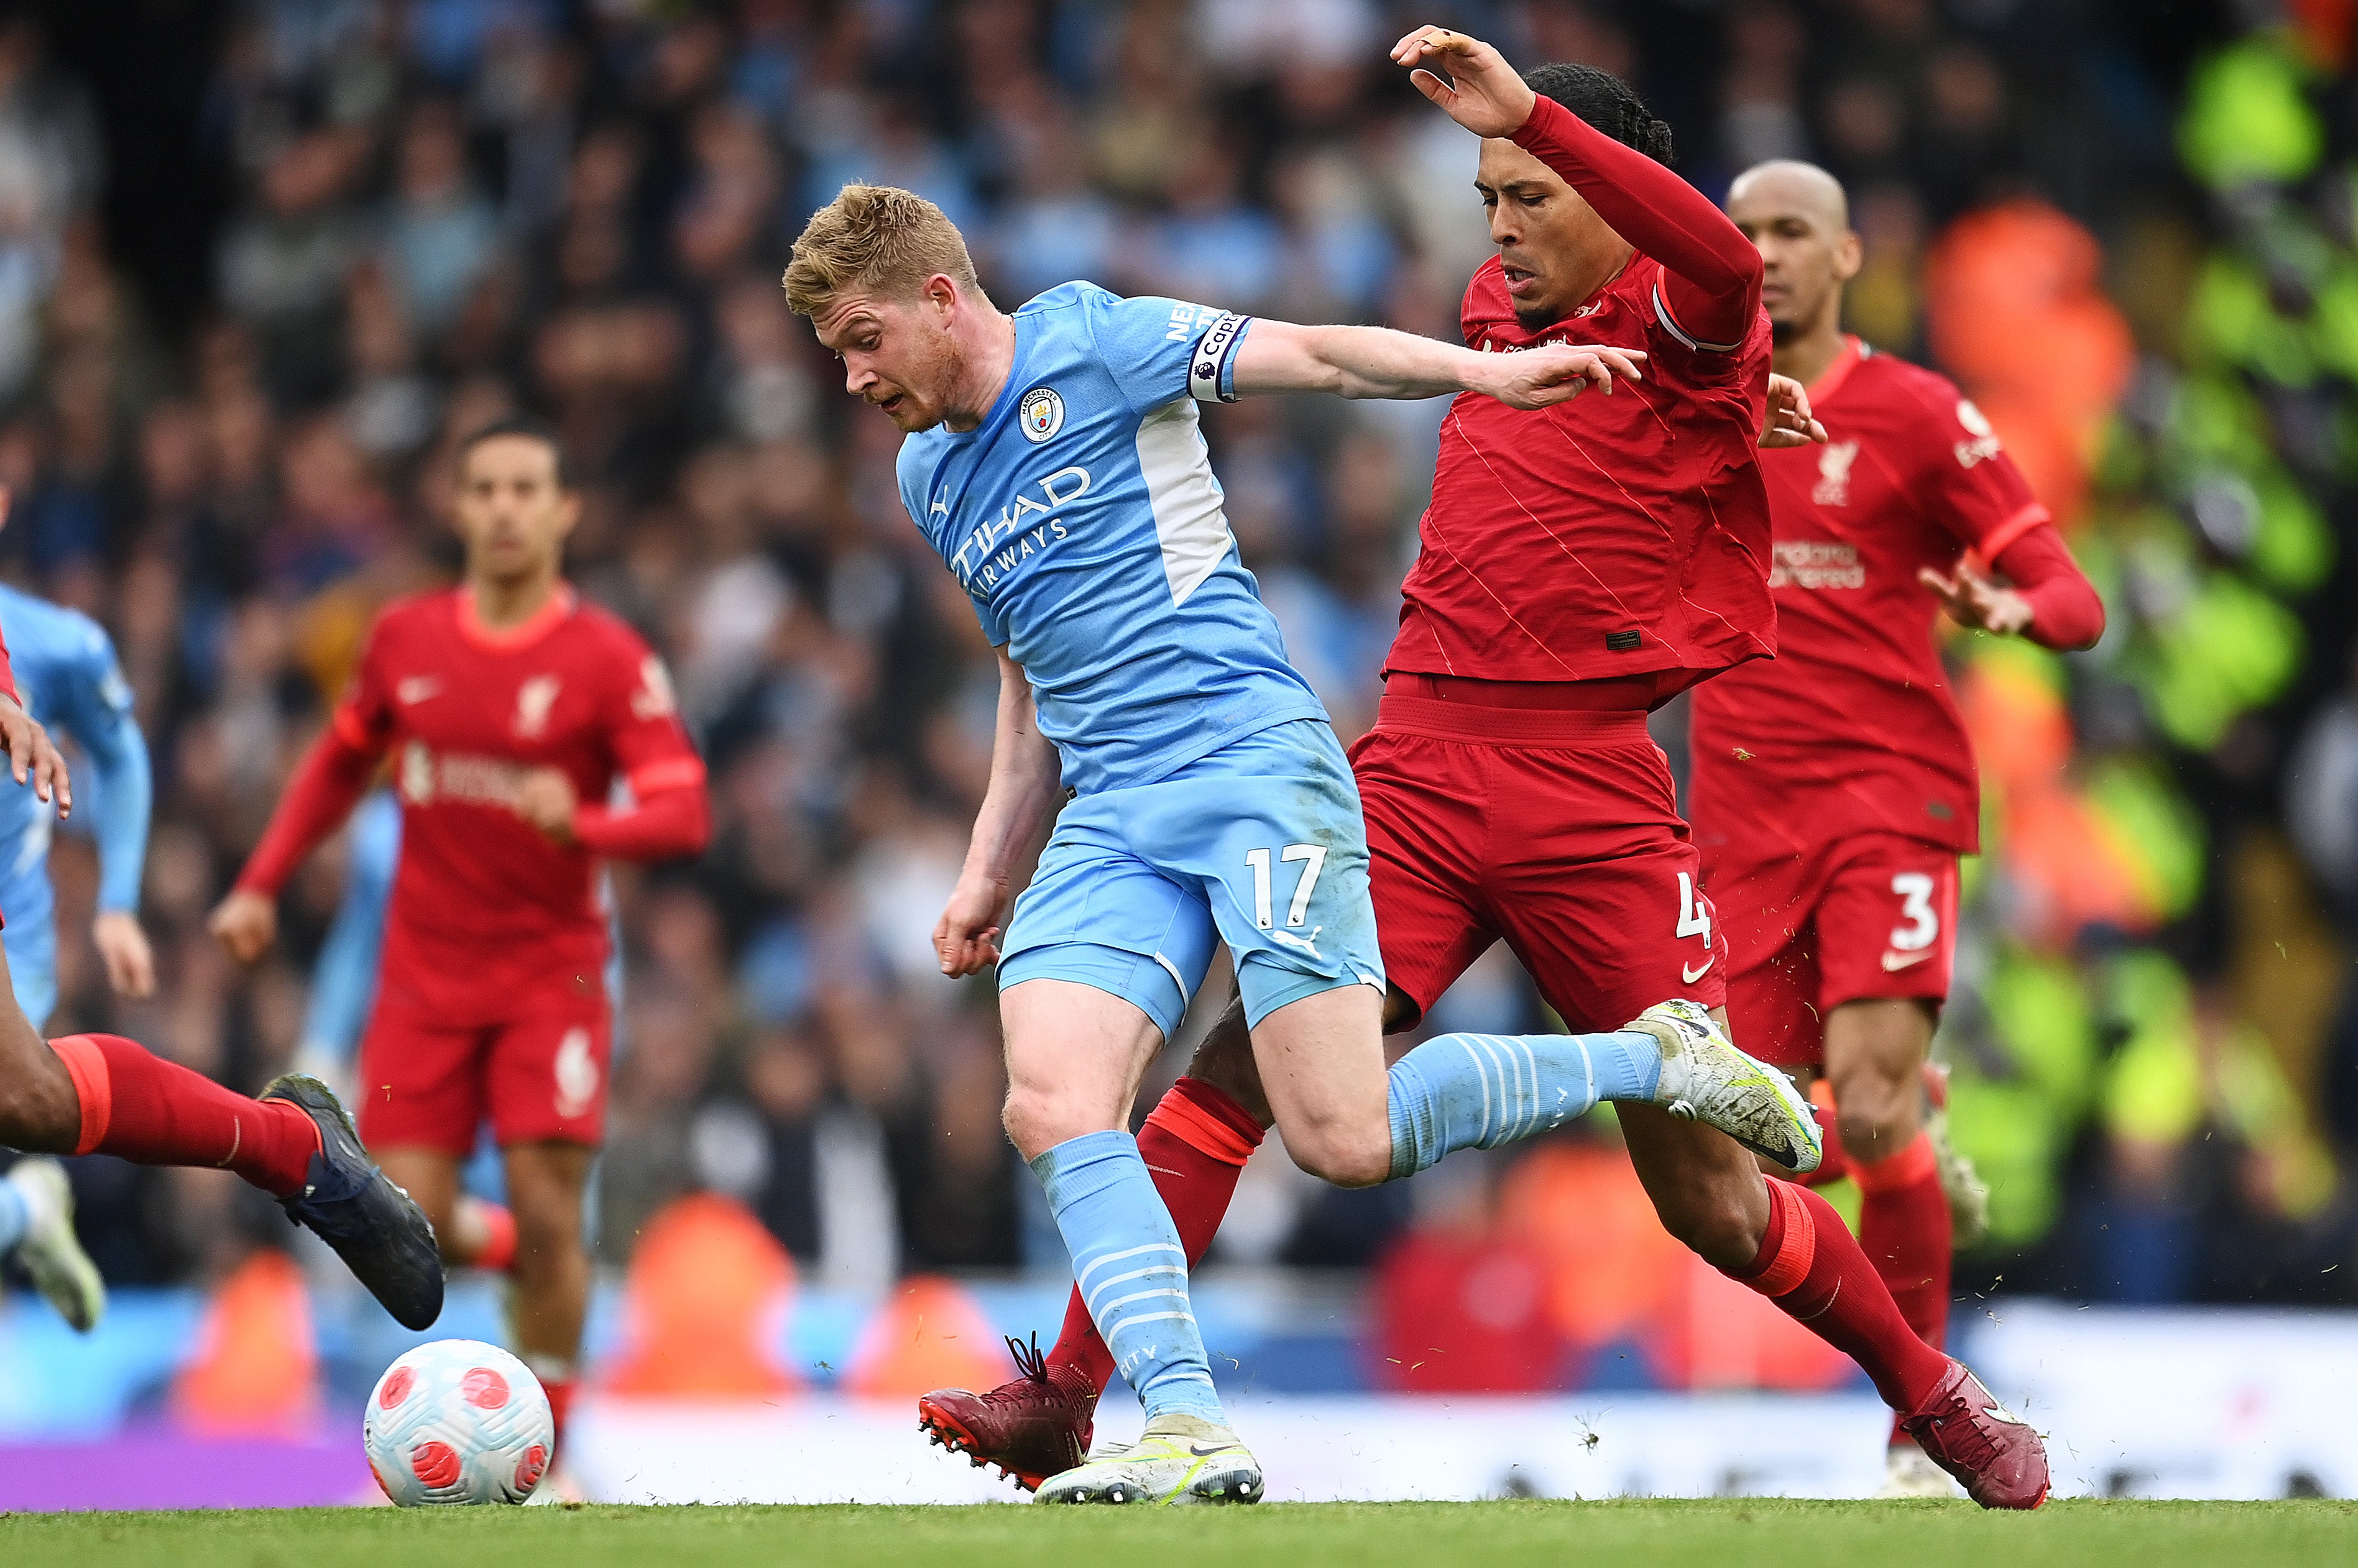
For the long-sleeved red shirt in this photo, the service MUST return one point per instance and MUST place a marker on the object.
(1852, 725)
(485, 906)
(1620, 539)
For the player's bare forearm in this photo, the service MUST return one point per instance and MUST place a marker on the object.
(1378, 362)
(1026, 784)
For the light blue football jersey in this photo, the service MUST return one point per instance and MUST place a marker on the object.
(1083, 518)
(66, 672)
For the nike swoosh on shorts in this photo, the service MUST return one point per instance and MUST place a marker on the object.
(1894, 962)
(1689, 977)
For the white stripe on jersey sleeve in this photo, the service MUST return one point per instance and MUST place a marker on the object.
(1669, 324)
(1188, 517)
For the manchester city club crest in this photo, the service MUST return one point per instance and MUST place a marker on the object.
(1042, 413)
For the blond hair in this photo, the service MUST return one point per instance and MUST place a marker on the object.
(878, 238)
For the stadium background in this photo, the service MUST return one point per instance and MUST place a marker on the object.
(261, 264)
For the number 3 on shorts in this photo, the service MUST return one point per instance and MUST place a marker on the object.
(1299, 910)
(1915, 890)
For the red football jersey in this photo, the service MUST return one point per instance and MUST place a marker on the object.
(1607, 536)
(484, 905)
(1852, 725)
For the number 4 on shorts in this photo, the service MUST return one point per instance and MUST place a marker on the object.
(1299, 910)
(1694, 914)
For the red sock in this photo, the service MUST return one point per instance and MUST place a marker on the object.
(1817, 1275)
(496, 1225)
(140, 1107)
(1836, 1164)
(560, 1404)
(1195, 1143)
(1905, 1228)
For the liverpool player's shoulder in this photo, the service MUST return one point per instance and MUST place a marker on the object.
(423, 608)
(416, 619)
(1920, 409)
(602, 634)
(1902, 389)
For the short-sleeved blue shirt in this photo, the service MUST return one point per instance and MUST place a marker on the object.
(66, 673)
(1083, 518)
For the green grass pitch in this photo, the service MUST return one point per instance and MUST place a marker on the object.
(1656, 1534)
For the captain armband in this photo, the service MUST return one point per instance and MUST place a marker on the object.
(1211, 372)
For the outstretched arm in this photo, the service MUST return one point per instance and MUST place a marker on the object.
(1713, 289)
(1025, 791)
(1376, 361)
(329, 782)
(97, 712)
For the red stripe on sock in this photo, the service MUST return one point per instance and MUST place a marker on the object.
(1195, 1143)
(1206, 1119)
(1840, 1297)
(1914, 1163)
(1796, 1243)
(93, 1086)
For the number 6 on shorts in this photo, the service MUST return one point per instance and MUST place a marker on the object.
(1298, 913)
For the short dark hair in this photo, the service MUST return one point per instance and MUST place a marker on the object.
(1606, 102)
(531, 429)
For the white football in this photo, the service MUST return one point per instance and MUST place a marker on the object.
(458, 1422)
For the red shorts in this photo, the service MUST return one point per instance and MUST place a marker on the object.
(1558, 832)
(538, 1076)
(1870, 915)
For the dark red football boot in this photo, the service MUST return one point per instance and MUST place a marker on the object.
(1991, 1451)
(1036, 1427)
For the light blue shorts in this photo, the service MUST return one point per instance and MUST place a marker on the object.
(1260, 845)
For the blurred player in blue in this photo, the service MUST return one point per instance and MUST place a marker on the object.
(1196, 791)
(67, 674)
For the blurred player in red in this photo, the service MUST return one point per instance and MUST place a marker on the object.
(1833, 789)
(1579, 567)
(510, 710)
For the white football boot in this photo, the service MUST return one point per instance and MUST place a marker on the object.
(1177, 1459)
(1910, 1472)
(1706, 1078)
(50, 1251)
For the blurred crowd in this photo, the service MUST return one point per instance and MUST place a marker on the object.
(444, 209)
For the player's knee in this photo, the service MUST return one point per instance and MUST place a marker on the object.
(1717, 1225)
(1347, 1154)
(39, 1112)
(1037, 1118)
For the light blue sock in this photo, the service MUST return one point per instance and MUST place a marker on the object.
(14, 1216)
(1477, 1091)
(1131, 1270)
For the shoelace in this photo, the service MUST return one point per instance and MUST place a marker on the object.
(1963, 1438)
(1033, 1363)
